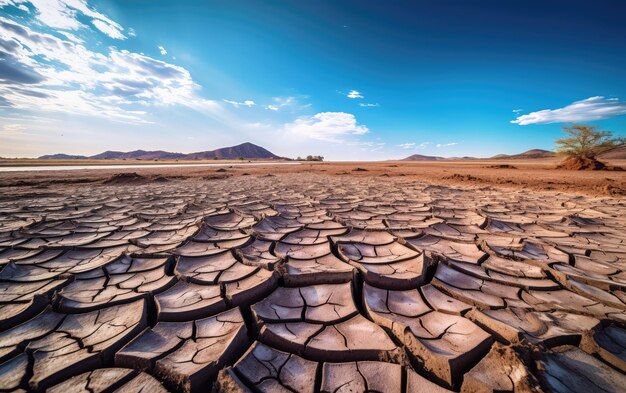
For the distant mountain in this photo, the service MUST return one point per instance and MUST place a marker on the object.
(138, 155)
(530, 154)
(61, 157)
(618, 153)
(420, 157)
(245, 150)
(615, 154)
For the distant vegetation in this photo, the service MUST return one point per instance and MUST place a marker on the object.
(311, 158)
(584, 144)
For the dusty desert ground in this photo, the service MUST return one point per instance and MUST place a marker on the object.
(538, 174)
(333, 277)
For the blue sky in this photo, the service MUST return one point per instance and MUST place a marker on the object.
(350, 80)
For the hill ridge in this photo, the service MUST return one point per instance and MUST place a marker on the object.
(529, 154)
(244, 150)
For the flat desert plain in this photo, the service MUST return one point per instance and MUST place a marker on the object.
(476, 276)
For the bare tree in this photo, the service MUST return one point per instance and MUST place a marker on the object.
(586, 142)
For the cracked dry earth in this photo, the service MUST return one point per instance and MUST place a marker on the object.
(319, 283)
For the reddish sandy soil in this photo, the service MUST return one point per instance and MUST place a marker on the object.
(333, 277)
(500, 174)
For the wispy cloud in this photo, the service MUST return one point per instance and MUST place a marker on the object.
(327, 126)
(407, 145)
(113, 31)
(45, 73)
(67, 15)
(162, 50)
(413, 145)
(374, 147)
(369, 105)
(446, 144)
(258, 125)
(280, 102)
(11, 128)
(237, 104)
(592, 108)
(71, 37)
(354, 94)
(291, 103)
(379, 146)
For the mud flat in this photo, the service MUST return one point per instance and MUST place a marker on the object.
(531, 175)
(78, 167)
(267, 279)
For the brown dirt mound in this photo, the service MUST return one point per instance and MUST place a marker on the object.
(359, 170)
(215, 177)
(502, 166)
(160, 179)
(614, 191)
(582, 164)
(458, 176)
(126, 178)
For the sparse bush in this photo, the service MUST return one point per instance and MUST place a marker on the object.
(584, 145)
(586, 142)
(310, 158)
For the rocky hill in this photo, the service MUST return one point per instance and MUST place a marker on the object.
(245, 150)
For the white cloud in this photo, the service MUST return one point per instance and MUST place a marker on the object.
(108, 29)
(162, 50)
(369, 105)
(446, 144)
(354, 94)
(236, 104)
(407, 145)
(131, 32)
(592, 108)
(368, 146)
(327, 126)
(117, 84)
(412, 145)
(71, 37)
(12, 128)
(516, 111)
(378, 147)
(281, 102)
(258, 125)
(23, 8)
(65, 14)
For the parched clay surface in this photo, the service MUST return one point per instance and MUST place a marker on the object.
(311, 284)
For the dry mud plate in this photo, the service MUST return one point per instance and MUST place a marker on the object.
(311, 283)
